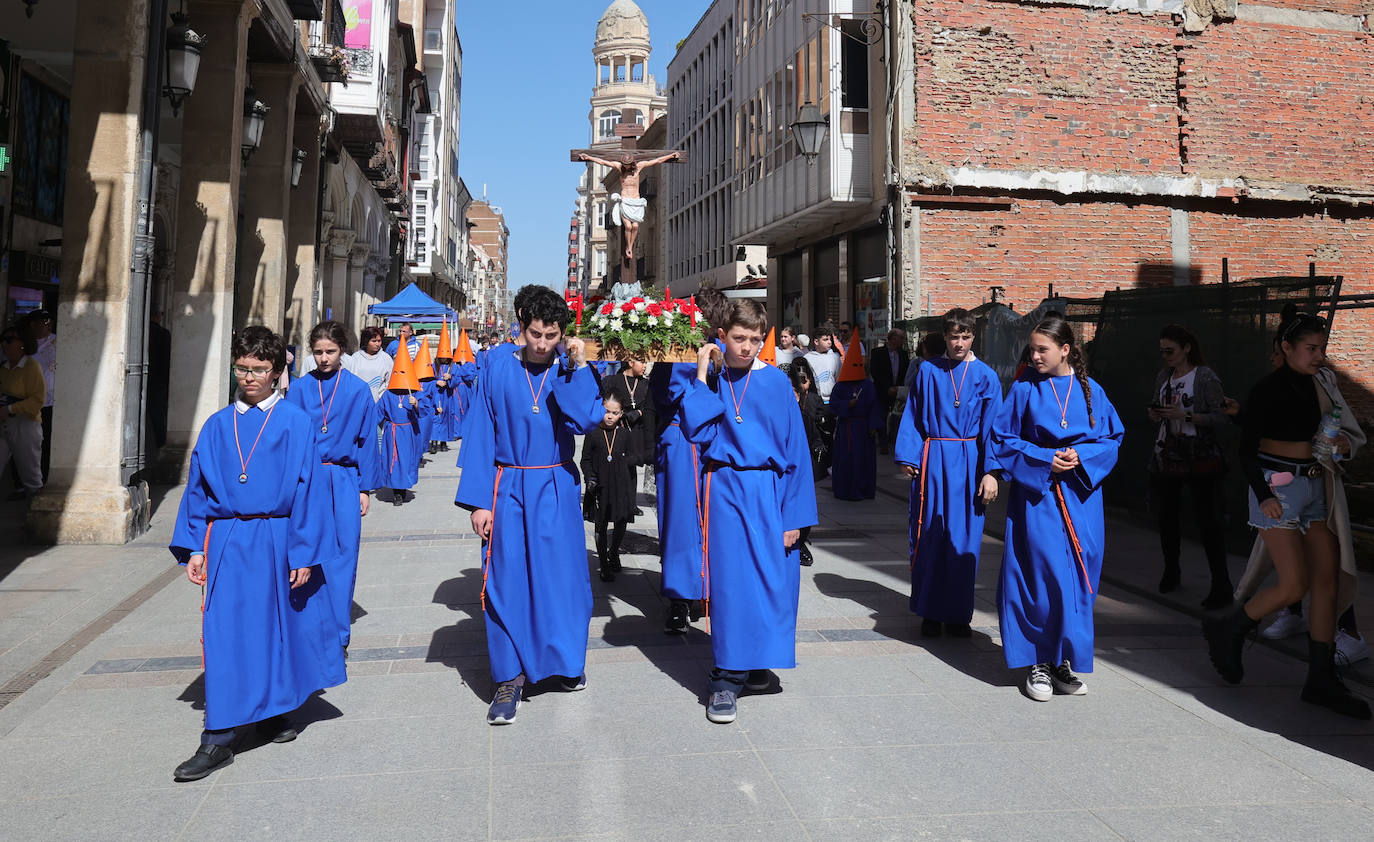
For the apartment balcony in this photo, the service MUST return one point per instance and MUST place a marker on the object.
(306, 9)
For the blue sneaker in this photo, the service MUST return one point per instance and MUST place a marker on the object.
(505, 704)
(572, 685)
(721, 709)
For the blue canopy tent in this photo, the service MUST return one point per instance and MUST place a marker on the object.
(412, 305)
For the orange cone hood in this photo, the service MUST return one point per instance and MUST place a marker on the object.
(853, 366)
(445, 345)
(769, 354)
(403, 380)
(424, 365)
(464, 352)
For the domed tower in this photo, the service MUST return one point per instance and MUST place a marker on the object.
(623, 91)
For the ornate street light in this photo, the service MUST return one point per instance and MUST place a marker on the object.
(298, 164)
(254, 117)
(183, 61)
(808, 130)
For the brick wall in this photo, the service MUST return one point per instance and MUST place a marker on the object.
(1344, 7)
(1282, 103)
(1024, 87)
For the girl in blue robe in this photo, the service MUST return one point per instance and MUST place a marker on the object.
(465, 384)
(430, 410)
(518, 468)
(1056, 438)
(854, 459)
(341, 407)
(249, 530)
(945, 444)
(402, 443)
(677, 474)
(757, 488)
(445, 382)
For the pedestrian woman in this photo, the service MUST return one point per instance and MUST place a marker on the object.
(1290, 507)
(1056, 438)
(787, 348)
(1187, 406)
(813, 415)
(345, 418)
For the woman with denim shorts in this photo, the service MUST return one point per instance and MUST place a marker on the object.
(1288, 505)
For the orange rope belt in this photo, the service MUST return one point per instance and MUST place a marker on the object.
(205, 551)
(1073, 534)
(491, 536)
(921, 499)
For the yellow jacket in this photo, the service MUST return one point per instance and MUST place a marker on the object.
(24, 381)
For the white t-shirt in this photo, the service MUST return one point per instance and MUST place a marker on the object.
(1178, 392)
(787, 355)
(825, 366)
(372, 370)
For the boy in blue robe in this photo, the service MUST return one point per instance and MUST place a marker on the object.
(1057, 438)
(522, 487)
(944, 446)
(854, 402)
(757, 495)
(248, 531)
(341, 407)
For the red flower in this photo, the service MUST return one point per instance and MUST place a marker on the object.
(638, 299)
(606, 310)
(627, 307)
(654, 310)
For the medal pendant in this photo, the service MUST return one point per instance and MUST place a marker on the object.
(535, 409)
(243, 478)
(608, 458)
(956, 404)
(739, 419)
(324, 428)
(1064, 424)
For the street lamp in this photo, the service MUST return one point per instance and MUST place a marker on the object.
(297, 165)
(183, 61)
(808, 130)
(254, 117)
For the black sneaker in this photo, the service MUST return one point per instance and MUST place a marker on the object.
(572, 685)
(759, 680)
(1065, 682)
(677, 622)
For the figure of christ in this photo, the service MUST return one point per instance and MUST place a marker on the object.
(628, 208)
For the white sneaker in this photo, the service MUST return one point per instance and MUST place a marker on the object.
(1038, 685)
(1286, 624)
(1350, 648)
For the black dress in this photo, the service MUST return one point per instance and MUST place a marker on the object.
(637, 404)
(610, 484)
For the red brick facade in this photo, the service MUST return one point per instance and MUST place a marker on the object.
(1069, 112)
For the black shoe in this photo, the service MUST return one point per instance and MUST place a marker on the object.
(614, 558)
(443, 447)
(206, 760)
(18, 494)
(1226, 640)
(278, 729)
(677, 622)
(606, 571)
(930, 628)
(1170, 580)
(959, 629)
(397, 496)
(806, 559)
(1217, 598)
(1325, 689)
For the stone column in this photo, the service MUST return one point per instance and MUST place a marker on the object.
(265, 203)
(301, 269)
(336, 273)
(358, 285)
(808, 308)
(202, 310)
(86, 500)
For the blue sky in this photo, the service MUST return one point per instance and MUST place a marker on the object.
(527, 82)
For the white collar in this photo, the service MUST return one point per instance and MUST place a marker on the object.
(266, 404)
(970, 358)
(20, 364)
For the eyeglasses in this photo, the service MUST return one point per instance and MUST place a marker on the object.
(255, 373)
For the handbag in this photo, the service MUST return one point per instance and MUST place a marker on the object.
(1186, 456)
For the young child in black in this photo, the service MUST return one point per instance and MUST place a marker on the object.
(609, 456)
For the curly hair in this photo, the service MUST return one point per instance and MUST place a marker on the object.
(536, 303)
(260, 343)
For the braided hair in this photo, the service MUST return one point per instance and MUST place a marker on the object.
(1059, 332)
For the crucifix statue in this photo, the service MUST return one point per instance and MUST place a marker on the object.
(627, 206)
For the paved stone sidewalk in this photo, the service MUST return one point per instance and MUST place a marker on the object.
(878, 734)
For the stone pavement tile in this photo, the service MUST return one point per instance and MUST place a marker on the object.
(1242, 822)
(126, 711)
(785, 831)
(409, 806)
(99, 766)
(864, 675)
(1103, 714)
(375, 641)
(953, 667)
(116, 666)
(1163, 772)
(398, 695)
(1342, 762)
(345, 746)
(1175, 668)
(398, 595)
(136, 815)
(782, 722)
(907, 781)
(1062, 826)
(403, 620)
(127, 680)
(1274, 709)
(628, 796)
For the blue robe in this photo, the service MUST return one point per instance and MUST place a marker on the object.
(952, 446)
(347, 446)
(677, 473)
(402, 444)
(519, 464)
(429, 416)
(445, 425)
(267, 647)
(854, 457)
(757, 486)
(1047, 588)
(465, 380)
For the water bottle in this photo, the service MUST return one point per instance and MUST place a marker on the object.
(1322, 446)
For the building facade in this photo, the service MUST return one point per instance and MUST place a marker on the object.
(623, 91)
(490, 239)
